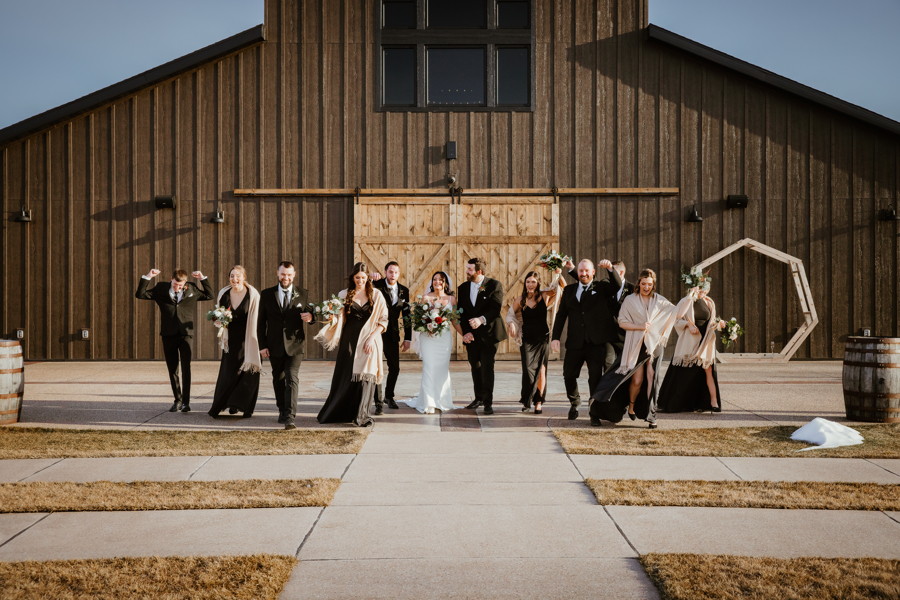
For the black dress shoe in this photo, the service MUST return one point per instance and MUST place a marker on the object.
(186, 408)
(573, 413)
(652, 426)
(232, 411)
(391, 404)
(176, 406)
(488, 410)
(379, 411)
(282, 418)
(473, 404)
(289, 424)
(596, 422)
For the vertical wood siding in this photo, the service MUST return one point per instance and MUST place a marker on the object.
(612, 110)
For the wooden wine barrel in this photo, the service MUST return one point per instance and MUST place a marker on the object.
(12, 381)
(872, 379)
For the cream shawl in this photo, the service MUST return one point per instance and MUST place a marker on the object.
(252, 360)
(366, 367)
(698, 348)
(515, 316)
(661, 314)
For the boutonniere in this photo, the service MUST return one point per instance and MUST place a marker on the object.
(481, 288)
(294, 295)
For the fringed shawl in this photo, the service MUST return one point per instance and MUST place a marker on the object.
(695, 349)
(252, 360)
(515, 316)
(661, 314)
(366, 367)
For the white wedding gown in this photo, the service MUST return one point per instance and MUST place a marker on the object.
(435, 393)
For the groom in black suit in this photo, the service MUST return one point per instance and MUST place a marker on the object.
(176, 300)
(281, 334)
(481, 299)
(593, 333)
(397, 297)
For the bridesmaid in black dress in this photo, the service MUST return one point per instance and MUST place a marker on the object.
(352, 394)
(529, 313)
(237, 387)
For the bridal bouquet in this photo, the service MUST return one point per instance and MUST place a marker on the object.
(732, 331)
(431, 317)
(694, 278)
(328, 311)
(221, 317)
(554, 260)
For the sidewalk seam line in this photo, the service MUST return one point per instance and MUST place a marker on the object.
(890, 517)
(41, 470)
(309, 533)
(148, 420)
(347, 468)
(191, 476)
(719, 458)
(621, 532)
(26, 529)
(883, 468)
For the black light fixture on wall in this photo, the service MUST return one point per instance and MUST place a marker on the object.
(219, 217)
(23, 216)
(694, 217)
(888, 214)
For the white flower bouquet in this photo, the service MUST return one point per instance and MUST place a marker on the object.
(732, 331)
(221, 318)
(554, 260)
(328, 311)
(431, 317)
(695, 278)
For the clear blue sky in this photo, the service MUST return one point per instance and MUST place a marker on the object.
(54, 51)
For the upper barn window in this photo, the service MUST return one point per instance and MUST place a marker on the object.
(462, 55)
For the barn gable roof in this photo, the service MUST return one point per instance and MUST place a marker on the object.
(788, 85)
(132, 85)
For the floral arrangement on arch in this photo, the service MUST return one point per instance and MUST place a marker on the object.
(431, 317)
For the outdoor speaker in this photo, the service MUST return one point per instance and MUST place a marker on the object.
(739, 201)
(451, 150)
(164, 201)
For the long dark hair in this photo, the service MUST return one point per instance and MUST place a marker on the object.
(537, 290)
(359, 267)
(446, 279)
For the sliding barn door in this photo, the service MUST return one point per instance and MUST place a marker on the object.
(427, 234)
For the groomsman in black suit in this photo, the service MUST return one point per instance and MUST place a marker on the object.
(593, 333)
(397, 297)
(481, 299)
(282, 312)
(176, 300)
(615, 302)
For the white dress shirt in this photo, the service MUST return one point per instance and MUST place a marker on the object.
(473, 295)
(393, 290)
(621, 291)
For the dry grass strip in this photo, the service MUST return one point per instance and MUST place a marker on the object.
(52, 496)
(170, 578)
(37, 442)
(882, 441)
(747, 494)
(707, 577)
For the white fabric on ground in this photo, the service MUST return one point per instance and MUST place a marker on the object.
(826, 434)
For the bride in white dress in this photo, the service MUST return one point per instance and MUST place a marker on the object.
(436, 393)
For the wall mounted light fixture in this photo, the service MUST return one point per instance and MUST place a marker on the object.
(694, 217)
(888, 214)
(219, 217)
(24, 216)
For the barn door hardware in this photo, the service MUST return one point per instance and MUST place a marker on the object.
(555, 195)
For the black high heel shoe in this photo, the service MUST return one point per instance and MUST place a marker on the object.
(631, 415)
(715, 409)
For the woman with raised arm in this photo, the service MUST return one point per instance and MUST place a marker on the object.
(691, 382)
(356, 334)
(237, 387)
(435, 391)
(647, 319)
(529, 321)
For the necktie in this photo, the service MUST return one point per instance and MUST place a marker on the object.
(284, 299)
(581, 288)
(393, 295)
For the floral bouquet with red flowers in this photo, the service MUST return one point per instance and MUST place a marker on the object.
(554, 260)
(431, 317)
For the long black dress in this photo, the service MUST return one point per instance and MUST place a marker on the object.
(349, 401)
(684, 389)
(235, 389)
(535, 350)
(610, 399)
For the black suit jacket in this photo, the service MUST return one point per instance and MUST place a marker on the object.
(392, 334)
(176, 319)
(590, 320)
(616, 304)
(281, 331)
(488, 305)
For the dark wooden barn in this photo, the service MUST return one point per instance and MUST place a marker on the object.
(624, 127)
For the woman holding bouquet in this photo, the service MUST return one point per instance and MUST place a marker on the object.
(356, 334)
(647, 319)
(237, 386)
(434, 344)
(529, 321)
(691, 383)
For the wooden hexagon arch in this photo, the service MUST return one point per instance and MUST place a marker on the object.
(806, 302)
